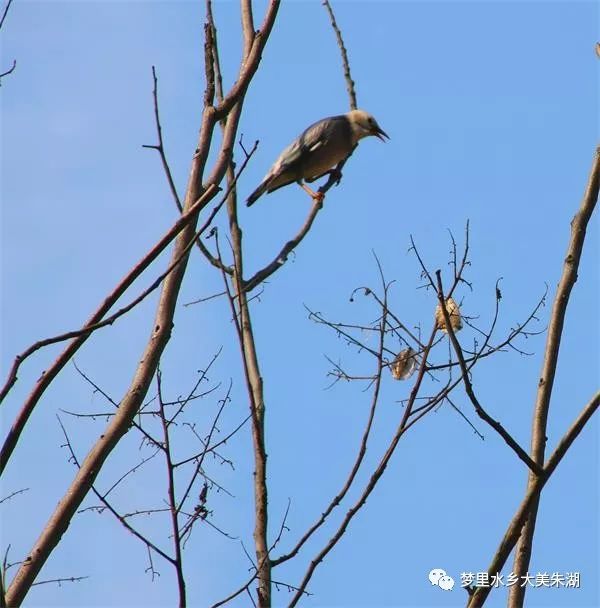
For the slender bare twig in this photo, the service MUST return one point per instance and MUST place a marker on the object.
(4, 13)
(58, 581)
(191, 394)
(546, 382)
(109, 507)
(178, 561)
(13, 494)
(508, 438)
(255, 389)
(10, 70)
(282, 256)
(98, 389)
(132, 470)
(160, 147)
(350, 84)
(201, 457)
(247, 346)
(208, 449)
(518, 330)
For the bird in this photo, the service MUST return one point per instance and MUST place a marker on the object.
(317, 151)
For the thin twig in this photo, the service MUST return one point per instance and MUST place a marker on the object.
(520, 452)
(109, 507)
(160, 148)
(178, 565)
(4, 13)
(350, 85)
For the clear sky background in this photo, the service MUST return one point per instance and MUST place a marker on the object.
(492, 110)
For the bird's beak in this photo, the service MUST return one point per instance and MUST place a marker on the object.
(380, 133)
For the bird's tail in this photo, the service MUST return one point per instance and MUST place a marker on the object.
(257, 193)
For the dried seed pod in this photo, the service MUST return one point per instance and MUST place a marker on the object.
(404, 365)
(453, 313)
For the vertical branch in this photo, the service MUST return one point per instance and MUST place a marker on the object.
(247, 25)
(178, 563)
(160, 147)
(350, 86)
(546, 381)
(254, 381)
(254, 384)
(162, 324)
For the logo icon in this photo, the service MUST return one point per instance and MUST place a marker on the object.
(438, 577)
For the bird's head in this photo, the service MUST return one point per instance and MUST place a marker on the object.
(364, 125)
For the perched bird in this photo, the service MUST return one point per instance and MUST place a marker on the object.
(317, 151)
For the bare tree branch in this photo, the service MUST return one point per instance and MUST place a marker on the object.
(160, 147)
(178, 561)
(93, 323)
(162, 324)
(519, 451)
(515, 526)
(350, 85)
(546, 382)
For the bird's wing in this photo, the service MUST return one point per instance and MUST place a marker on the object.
(313, 138)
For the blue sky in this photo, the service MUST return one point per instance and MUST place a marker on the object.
(492, 112)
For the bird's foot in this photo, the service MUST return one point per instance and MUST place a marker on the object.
(317, 196)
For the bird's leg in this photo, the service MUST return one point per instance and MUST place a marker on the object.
(316, 196)
(335, 175)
